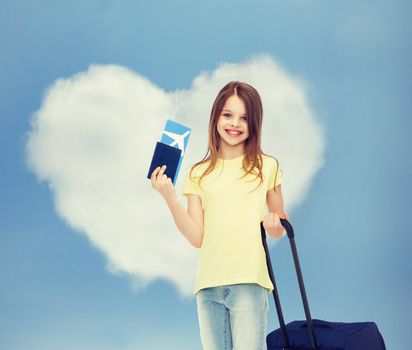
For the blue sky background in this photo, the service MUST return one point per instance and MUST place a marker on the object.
(353, 232)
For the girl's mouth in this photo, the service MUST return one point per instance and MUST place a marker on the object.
(233, 134)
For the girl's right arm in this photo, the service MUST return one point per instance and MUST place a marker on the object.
(190, 226)
(188, 223)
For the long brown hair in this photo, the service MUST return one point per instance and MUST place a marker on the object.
(253, 152)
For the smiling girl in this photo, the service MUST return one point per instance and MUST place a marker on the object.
(227, 192)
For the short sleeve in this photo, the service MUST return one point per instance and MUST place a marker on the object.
(190, 185)
(275, 173)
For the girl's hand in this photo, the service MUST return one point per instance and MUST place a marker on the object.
(272, 225)
(162, 183)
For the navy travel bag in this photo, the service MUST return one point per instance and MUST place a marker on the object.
(315, 334)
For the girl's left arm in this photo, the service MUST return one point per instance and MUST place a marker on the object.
(274, 201)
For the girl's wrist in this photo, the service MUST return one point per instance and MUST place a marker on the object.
(171, 200)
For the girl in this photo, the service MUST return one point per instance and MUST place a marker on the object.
(226, 193)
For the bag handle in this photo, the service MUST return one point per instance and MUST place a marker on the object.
(291, 235)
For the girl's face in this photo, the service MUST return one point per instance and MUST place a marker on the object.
(233, 117)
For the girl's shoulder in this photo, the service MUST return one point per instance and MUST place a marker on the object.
(270, 160)
(198, 169)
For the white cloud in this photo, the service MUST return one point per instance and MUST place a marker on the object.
(93, 138)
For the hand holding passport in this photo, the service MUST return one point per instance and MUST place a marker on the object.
(170, 150)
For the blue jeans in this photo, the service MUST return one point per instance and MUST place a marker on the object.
(233, 316)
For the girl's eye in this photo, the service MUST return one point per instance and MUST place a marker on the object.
(228, 115)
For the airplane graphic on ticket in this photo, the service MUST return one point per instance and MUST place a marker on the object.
(171, 149)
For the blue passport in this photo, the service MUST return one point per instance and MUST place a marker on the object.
(171, 149)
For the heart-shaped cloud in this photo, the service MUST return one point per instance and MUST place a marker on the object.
(93, 138)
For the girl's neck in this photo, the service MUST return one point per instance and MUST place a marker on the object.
(228, 155)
